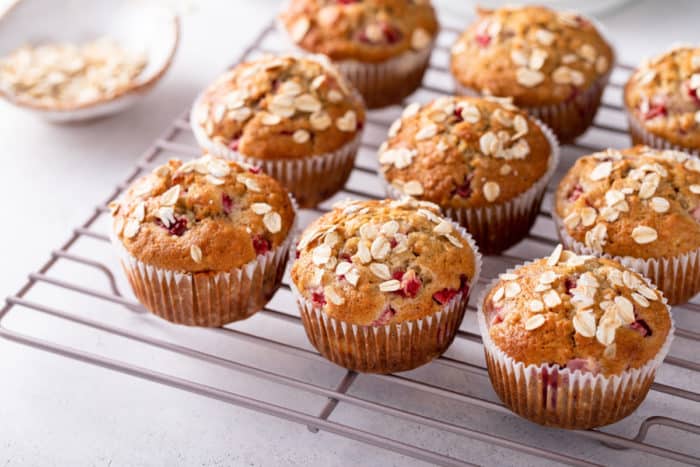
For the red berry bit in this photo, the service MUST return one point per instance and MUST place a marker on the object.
(261, 244)
(496, 315)
(346, 2)
(385, 317)
(655, 110)
(465, 189)
(570, 283)
(233, 145)
(443, 296)
(693, 93)
(483, 39)
(410, 283)
(227, 203)
(641, 327)
(318, 298)
(696, 213)
(254, 170)
(178, 228)
(391, 34)
(575, 193)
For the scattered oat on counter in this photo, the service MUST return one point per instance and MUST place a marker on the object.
(70, 75)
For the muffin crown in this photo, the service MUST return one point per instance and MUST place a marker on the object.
(381, 262)
(207, 214)
(638, 202)
(465, 152)
(579, 312)
(281, 108)
(664, 94)
(366, 31)
(532, 53)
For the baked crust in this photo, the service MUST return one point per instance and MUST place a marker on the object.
(578, 312)
(638, 202)
(663, 94)
(534, 54)
(283, 107)
(382, 262)
(465, 152)
(369, 31)
(205, 215)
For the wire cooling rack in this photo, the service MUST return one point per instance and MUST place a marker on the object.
(79, 306)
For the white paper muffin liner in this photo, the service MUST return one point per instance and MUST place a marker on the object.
(641, 135)
(393, 347)
(568, 120)
(555, 396)
(499, 226)
(389, 82)
(207, 299)
(678, 277)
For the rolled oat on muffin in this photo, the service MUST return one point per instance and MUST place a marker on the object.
(573, 341)
(205, 242)
(482, 160)
(382, 46)
(640, 206)
(294, 116)
(662, 101)
(382, 286)
(553, 64)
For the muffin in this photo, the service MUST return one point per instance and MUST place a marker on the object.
(382, 46)
(382, 286)
(555, 65)
(640, 206)
(573, 341)
(662, 100)
(483, 161)
(205, 242)
(295, 117)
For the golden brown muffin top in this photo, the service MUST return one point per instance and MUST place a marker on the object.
(664, 95)
(534, 54)
(204, 215)
(639, 202)
(465, 152)
(283, 107)
(373, 263)
(364, 30)
(579, 312)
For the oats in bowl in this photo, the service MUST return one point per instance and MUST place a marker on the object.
(65, 75)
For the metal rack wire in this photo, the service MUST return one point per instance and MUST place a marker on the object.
(674, 410)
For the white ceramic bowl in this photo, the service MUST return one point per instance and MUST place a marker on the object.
(137, 26)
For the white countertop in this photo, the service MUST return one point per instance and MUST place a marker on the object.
(55, 411)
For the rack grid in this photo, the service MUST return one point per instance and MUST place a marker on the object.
(81, 273)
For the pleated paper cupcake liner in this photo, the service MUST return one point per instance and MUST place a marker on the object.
(555, 396)
(640, 135)
(207, 299)
(499, 226)
(678, 277)
(389, 82)
(568, 120)
(392, 347)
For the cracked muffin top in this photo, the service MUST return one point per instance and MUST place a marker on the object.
(579, 312)
(534, 54)
(364, 30)
(663, 94)
(373, 263)
(465, 152)
(281, 108)
(639, 202)
(204, 215)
